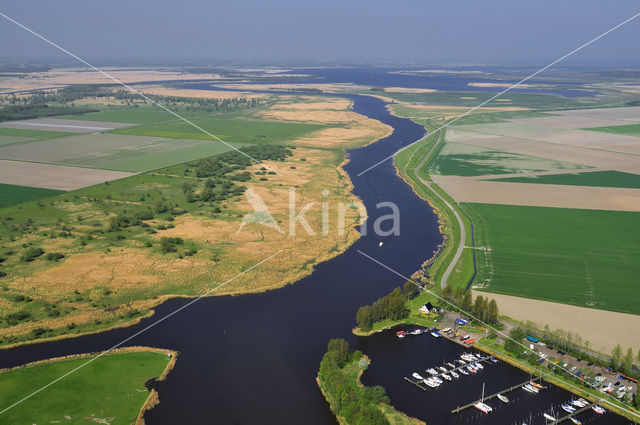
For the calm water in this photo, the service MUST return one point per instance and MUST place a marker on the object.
(253, 359)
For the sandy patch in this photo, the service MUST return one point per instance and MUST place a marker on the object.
(507, 85)
(407, 90)
(54, 176)
(465, 189)
(603, 329)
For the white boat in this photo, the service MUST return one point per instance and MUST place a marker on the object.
(464, 372)
(430, 383)
(451, 365)
(417, 376)
(567, 408)
(461, 361)
(599, 410)
(483, 407)
(438, 380)
(380, 245)
(529, 388)
(416, 332)
(435, 334)
(444, 370)
(455, 375)
(549, 417)
(447, 377)
(503, 398)
(493, 360)
(400, 335)
(575, 420)
(478, 366)
(578, 403)
(471, 369)
(432, 371)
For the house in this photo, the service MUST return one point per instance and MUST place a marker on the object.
(427, 308)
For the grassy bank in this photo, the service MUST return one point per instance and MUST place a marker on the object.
(352, 402)
(110, 388)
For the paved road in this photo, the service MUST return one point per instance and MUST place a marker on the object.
(463, 235)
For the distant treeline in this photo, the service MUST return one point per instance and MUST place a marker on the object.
(70, 94)
(23, 112)
(23, 68)
(354, 403)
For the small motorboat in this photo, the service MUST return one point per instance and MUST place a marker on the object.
(535, 384)
(472, 369)
(380, 245)
(503, 398)
(444, 370)
(447, 377)
(455, 375)
(432, 371)
(549, 417)
(430, 383)
(416, 332)
(478, 365)
(464, 372)
(575, 420)
(417, 376)
(436, 334)
(438, 380)
(451, 365)
(568, 408)
(599, 410)
(401, 334)
(493, 360)
(530, 389)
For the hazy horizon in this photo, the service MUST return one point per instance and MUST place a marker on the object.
(288, 32)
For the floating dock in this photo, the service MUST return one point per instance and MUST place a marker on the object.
(489, 397)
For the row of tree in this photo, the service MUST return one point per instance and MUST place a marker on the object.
(482, 308)
(355, 404)
(627, 363)
(390, 307)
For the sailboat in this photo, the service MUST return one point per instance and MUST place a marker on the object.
(481, 406)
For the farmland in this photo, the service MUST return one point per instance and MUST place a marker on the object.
(630, 129)
(12, 194)
(110, 388)
(589, 178)
(556, 254)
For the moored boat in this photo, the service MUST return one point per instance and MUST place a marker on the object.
(464, 372)
(444, 370)
(417, 376)
(435, 334)
(455, 375)
(549, 417)
(575, 420)
(432, 371)
(599, 410)
(503, 398)
(445, 376)
(567, 408)
(485, 408)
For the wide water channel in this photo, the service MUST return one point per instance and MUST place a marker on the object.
(253, 359)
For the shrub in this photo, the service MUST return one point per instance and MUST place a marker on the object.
(31, 254)
(54, 256)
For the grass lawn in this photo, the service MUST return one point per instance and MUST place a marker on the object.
(12, 195)
(230, 128)
(111, 388)
(580, 257)
(593, 178)
(629, 129)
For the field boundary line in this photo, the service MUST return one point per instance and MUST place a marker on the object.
(132, 90)
(195, 300)
(577, 49)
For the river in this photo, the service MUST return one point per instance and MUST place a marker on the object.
(253, 359)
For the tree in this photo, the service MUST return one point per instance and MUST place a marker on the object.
(512, 344)
(492, 312)
(410, 289)
(363, 318)
(159, 206)
(339, 349)
(627, 362)
(467, 301)
(478, 308)
(616, 356)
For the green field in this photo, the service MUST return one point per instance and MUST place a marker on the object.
(139, 115)
(12, 195)
(581, 257)
(111, 388)
(32, 134)
(628, 130)
(592, 178)
(231, 128)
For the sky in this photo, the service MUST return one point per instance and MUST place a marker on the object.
(344, 31)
